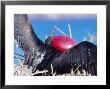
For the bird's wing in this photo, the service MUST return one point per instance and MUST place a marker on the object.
(27, 39)
(83, 55)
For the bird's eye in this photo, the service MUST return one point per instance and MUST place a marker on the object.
(48, 41)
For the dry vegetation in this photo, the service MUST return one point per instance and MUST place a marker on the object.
(23, 70)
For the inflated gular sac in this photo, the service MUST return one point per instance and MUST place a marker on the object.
(62, 43)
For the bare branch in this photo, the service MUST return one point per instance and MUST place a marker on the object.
(91, 37)
(69, 28)
(55, 28)
(85, 38)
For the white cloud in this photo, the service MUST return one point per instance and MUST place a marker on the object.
(61, 16)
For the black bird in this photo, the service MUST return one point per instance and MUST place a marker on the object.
(41, 56)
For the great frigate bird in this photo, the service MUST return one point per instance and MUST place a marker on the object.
(40, 55)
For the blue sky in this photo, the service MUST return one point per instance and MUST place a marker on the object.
(43, 25)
